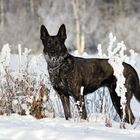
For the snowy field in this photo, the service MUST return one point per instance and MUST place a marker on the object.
(28, 128)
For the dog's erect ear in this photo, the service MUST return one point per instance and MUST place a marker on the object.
(43, 32)
(62, 32)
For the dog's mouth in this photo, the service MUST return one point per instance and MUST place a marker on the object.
(52, 52)
(50, 56)
(54, 59)
(47, 51)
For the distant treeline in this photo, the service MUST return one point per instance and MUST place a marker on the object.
(88, 22)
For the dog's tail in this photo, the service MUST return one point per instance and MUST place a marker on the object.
(137, 93)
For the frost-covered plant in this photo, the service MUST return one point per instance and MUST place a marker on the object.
(23, 86)
(116, 55)
(116, 48)
(116, 62)
(5, 80)
(5, 55)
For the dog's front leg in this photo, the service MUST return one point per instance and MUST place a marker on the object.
(82, 108)
(66, 105)
(79, 99)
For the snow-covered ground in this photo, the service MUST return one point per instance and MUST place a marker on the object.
(28, 128)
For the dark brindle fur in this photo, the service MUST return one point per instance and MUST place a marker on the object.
(68, 74)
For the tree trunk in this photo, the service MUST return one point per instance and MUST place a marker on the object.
(32, 6)
(79, 34)
(82, 47)
(2, 12)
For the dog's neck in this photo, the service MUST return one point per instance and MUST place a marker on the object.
(55, 62)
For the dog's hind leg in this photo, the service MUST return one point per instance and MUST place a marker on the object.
(66, 105)
(116, 101)
(129, 117)
(130, 84)
(129, 114)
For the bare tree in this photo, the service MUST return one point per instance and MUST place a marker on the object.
(75, 4)
(2, 12)
(87, 17)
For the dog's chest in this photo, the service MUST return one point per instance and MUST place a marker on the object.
(55, 78)
(61, 80)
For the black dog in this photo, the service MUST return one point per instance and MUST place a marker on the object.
(68, 74)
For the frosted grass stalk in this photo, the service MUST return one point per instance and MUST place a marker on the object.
(19, 57)
(6, 55)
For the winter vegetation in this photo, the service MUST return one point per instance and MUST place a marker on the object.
(22, 88)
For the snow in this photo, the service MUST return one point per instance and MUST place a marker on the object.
(28, 128)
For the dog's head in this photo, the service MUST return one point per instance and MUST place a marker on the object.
(54, 46)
